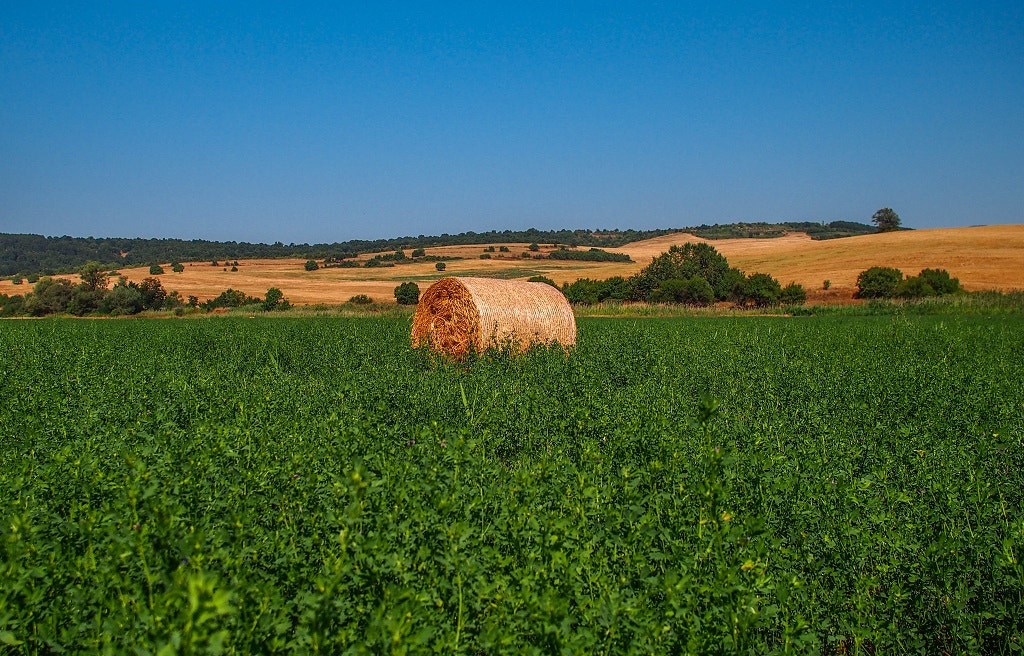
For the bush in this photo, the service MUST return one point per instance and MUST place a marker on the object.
(311, 265)
(485, 256)
(274, 300)
(915, 287)
(177, 268)
(543, 279)
(440, 266)
(940, 281)
(793, 294)
(534, 247)
(825, 285)
(155, 269)
(419, 252)
(360, 299)
(761, 290)
(408, 293)
(504, 249)
(234, 268)
(878, 282)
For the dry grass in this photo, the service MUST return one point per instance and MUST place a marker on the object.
(459, 315)
(987, 257)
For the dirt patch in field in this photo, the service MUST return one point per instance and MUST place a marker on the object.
(986, 257)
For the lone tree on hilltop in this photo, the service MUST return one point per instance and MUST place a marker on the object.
(886, 220)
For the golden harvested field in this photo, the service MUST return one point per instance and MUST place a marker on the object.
(986, 257)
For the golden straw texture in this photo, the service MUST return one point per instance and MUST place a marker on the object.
(456, 315)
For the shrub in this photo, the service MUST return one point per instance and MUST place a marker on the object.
(940, 281)
(535, 247)
(793, 294)
(826, 284)
(485, 256)
(419, 252)
(177, 268)
(440, 266)
(915, 287)
(408, 293)
(155, 269)
(311, 265)
(543, 279)
(761, 290)
(878, 282)
(504, 249)
(234, 268)
(274, 300)
(360, 299)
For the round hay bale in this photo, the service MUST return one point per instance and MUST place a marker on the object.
(457, 315)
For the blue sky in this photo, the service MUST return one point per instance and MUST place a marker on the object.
(326, 122)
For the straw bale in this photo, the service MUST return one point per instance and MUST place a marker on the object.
(457, 315)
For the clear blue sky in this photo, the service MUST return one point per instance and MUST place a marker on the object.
(325, 122)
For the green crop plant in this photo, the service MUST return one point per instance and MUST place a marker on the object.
(827, 484)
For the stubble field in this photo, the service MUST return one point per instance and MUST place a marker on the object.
(986, 257)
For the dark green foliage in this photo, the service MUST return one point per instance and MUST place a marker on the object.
(793, 294)
(419, 252)
(761, 230)
(914, 287)
(177, 267)
(694, 291)
(940, 281)
(360, 299)
(234, 268)
(229, 298)
(311, 265)
(504, 249)
(534, 246)
(155, 269)
(543, 279)
(592, 255)
(760, 290)
(440, 266)
(274, 300)
(408, 293)
(684, 263)
(49, 296)
(886, 220)
(485, 256)
(488, 249)
(587, 292)
(291, 486)
(878, 282)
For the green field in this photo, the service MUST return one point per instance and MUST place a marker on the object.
(817, 485)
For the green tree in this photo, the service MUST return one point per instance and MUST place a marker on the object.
(177, 267)
(49, 296)
(886, 220)
(419, 252)
(440, 266)
(94, 276)
(793, 294)
(408, 293)
(153, 294)
(535, 247)
(914, 287)
(940, 281)
(683, 263)
(155, 269)
(761, 290)
(878, 282)
(274, 300)
(311, 265)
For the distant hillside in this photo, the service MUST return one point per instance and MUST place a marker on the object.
(36, 254)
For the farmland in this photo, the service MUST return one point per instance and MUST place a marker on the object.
(764, 485)
(983, 258)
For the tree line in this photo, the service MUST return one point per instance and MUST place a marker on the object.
(26, 254)
(94, 296)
